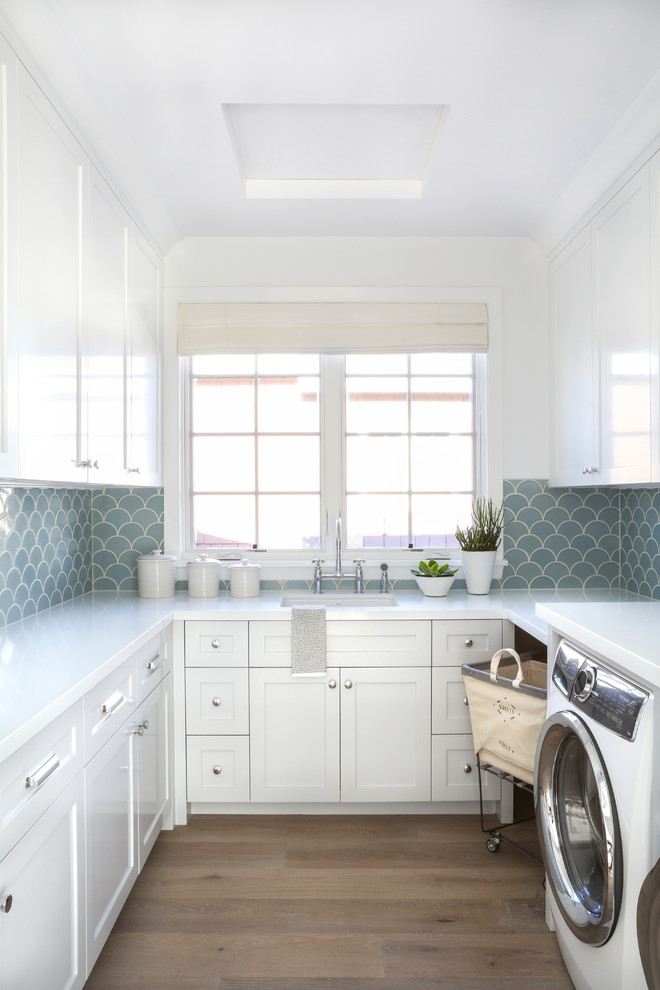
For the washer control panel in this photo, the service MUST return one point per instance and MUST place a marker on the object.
(603, 696)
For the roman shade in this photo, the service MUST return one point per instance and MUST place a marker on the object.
(331, 327)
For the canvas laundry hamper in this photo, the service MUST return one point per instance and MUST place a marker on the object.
(507, 700)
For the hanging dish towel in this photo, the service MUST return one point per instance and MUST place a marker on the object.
(308, 642)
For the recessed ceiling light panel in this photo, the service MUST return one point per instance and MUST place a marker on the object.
(334, 150)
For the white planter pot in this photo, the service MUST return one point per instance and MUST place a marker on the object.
(435, 587)
(478, 567)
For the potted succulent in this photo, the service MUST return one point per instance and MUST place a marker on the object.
(433, 578)
(479, 542)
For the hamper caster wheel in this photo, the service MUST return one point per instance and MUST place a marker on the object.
(493, 844)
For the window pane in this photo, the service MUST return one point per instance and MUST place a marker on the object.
(288, 364)
(441, 364)
(441, 405)
(290, 522)
(223, 464)
(289, 405)
(441, 464)
(376, 405)
(223, 521)
(376, 364)
(377, 464)
(435, 518)
(289, 464)
(223, 364)
(223, 404)
(377, 521)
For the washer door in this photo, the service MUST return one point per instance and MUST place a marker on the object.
(648, 927)
(578, 828)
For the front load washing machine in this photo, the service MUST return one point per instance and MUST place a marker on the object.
(594, 811)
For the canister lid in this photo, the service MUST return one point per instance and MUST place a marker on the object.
(157, 555)
(204, 561)
(244, 564)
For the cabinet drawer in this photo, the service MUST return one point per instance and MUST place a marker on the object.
(108, 705)
(151, 664)
(357, 643)
(451, 779)
(450, 708)
(52, 759)
(216, 644)
(218, 768)
(457, 641)
(216, 701)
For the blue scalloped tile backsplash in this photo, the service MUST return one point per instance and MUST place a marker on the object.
(57, 544)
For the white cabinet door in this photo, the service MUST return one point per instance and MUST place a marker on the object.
(574, 366)
(51, 170)
(294, 736)
(385, 734)
(8, 273)
(42, 940)
(143, 440)
(112, 865)
(621, 268)
(104, 323)
(154, 775)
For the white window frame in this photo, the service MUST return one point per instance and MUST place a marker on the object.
(279, 564)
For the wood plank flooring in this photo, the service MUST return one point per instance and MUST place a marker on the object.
(368, 902)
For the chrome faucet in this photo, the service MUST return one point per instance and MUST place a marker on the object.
(318, 577)
(384, 584)
(359, 577)
(338, 548)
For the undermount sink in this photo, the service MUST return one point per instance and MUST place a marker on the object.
(339, 599)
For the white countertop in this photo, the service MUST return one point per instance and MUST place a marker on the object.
(50, 660)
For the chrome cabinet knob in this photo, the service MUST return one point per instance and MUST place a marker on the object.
(140, 727)
(6, 903)
(467, 768)
(215, 643)
(466, 702)
(216, 702)
(348, 684)
(217, 770)
(468, 643)
(332, 684)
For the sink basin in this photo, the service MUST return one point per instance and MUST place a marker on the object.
(340, 599)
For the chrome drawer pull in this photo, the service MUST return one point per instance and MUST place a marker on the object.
(6, 903)
(42, 773)
(154, 663)
(113, 703)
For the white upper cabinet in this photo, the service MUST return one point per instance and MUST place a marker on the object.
(143, 440)
(574, 386)
(105, 289)
(604, 349)
(8, 225)
(51, 173)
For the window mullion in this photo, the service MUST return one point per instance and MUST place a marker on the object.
(332, 448)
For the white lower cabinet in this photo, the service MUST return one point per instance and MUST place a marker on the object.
(112, 861)
(42, 901)
(154, 771)
(454, 764)
(368, 727)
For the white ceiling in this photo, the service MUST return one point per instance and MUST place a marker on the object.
(533, 88)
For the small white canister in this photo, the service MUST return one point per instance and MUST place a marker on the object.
(244, 580)
(156, 575)
(203, 577)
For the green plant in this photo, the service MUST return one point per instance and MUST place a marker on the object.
(485, 530)
(432, 568)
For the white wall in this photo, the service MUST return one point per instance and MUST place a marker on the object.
(513, 265)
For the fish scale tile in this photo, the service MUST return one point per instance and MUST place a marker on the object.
(126, 522)
(560, 538)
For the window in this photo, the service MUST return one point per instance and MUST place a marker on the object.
(281, 445)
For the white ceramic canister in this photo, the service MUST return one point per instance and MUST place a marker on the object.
(244, 579)
(203, 577)
(156, 575)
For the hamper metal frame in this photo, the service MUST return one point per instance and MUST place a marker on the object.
(495, 835)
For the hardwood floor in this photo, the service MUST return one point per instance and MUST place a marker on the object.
(338, 902)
